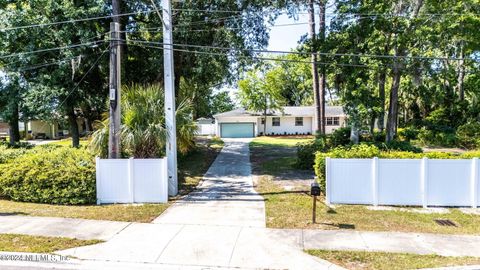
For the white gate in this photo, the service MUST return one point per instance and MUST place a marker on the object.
(132, 180)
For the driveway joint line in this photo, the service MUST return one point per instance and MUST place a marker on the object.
(169, 241)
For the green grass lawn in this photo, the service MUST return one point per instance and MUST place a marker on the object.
(293, 209)
(191, 169)
(39, 244)
(279, 141)
(361, 260)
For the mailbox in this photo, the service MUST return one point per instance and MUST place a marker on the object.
(315, 189)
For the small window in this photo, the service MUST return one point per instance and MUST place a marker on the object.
(276, 121)
(298, 121)
(263, 121)
(333, 121)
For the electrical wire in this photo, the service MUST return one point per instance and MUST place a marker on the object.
(306, 53)
(53, 49)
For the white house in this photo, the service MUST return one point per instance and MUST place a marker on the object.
(240, 123)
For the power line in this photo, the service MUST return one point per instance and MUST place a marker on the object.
(306, 53)
(27, 68)
(254, 57)
(53, 49)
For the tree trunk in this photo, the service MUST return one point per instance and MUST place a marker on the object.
(461, 74)
(322, 83)
(393, 108)
(72, 120)
(14, 132)
(381, 94)
(316, 88)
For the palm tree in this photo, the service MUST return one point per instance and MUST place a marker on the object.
(143, 133)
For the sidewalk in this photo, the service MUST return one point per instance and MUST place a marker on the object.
(417, 243)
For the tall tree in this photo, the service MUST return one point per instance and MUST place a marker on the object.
(316, 82)
(258, 94)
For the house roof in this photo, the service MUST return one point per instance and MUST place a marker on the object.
(287, 111)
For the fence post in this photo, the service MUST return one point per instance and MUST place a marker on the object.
(423, 181)
(327, 181)
(131, 184)
(474, 182)
(97, 180)
(375, 181)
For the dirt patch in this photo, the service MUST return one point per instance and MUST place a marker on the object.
(289, 179)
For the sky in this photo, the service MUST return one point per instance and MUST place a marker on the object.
(285, 38)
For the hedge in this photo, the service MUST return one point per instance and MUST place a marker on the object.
(370, 151)
(56, 175)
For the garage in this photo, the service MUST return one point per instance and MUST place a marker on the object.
(237, 130)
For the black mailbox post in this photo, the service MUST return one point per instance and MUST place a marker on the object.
(314, 191)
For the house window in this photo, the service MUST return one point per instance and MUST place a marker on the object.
(263, 121)
(333, 121)
(298, 121)
(276, 121)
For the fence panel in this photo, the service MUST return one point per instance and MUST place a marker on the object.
(352, 181)
(448, 182)
(112, 181)
(445, 182)
(132, 180)
(399, 182)
(151, 183)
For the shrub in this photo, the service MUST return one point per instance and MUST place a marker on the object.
(399, 146)
(469, 135)
(50, 175)
(407, 134)
(355, 151)
(438, 136)
(340, 136)
(306, 152)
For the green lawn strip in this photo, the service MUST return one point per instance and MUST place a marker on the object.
(287, 141)
(384, 260)
(293, 209)
(115, 212)
(39, 244)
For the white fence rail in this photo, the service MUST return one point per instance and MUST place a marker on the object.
(206, 129)
(132, 180)
(417, 182)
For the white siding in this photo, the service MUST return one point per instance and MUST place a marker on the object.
(287, 125)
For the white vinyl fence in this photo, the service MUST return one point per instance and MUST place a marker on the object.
(417, 182)
(206, 129)
(132, 180)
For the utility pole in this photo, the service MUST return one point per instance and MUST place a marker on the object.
(322, 82)
(115, 95)
(169, 79)
(316, 90)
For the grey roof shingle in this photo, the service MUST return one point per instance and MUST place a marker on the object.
(287, 111)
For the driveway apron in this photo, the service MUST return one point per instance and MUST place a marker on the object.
(221, 224)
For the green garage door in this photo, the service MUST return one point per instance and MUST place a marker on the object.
(236, 130)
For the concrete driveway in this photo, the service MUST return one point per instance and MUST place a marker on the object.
(222, 224)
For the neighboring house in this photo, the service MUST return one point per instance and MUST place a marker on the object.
(240, 123)
(4, 130)
(205, 126)
(38, 129)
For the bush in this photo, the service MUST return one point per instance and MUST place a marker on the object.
(356, 151)
(340, 136)
(407, 134)
(438, 136)
(50, 175)
(469, 135)
(399, 146)
(306, 152)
